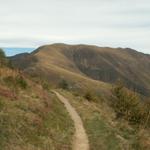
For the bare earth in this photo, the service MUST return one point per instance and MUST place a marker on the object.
(80, 141)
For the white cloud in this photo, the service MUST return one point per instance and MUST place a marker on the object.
(115, 23)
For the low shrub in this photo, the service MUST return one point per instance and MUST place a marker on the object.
(88, 96)
(1, 105)
(45, 86)
(21, 82)
(17, 81)
(4, 61)
(128, 105)
(3, 58)
(64, 84)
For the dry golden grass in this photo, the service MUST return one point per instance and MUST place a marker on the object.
(54, 65)
(104, 130)
(5, 72)
(31, 118)
(34, 123)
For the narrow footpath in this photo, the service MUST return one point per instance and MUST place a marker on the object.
(80, 141)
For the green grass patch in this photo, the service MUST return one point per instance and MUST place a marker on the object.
(100, 135)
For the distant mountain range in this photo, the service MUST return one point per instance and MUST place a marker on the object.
(89, 65)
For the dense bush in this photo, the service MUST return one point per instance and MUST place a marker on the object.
(128, 105)
(21, 82)
(17, 81)
(2, 54)
(45, 85)
(88, 96)
(64, 84)
(3, 59)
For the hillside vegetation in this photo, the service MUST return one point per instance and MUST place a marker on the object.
(115, 116)
(31, 118)
(108, 131)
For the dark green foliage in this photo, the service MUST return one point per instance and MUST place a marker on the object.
(127, 105)
(64, 84)
(3, 59)
(21, 82)
(124, 101)
(2, 54)
(1, 105)
(91, 96)
(16, 81)
(88, 96)
(9, 80)
(45, 85)
(9, 64)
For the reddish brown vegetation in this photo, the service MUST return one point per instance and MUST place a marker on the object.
(7, 93)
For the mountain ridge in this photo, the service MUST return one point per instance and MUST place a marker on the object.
(97, 63)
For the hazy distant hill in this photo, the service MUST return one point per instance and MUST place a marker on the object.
(85, 63)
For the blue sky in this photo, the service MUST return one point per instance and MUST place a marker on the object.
(114, 23)
(14, 51)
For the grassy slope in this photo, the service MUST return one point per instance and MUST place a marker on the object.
(53, 65)
(103, 130)
(103, 64)
(33, 119)
(23, 126)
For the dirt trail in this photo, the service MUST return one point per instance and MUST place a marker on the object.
(80, 141)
